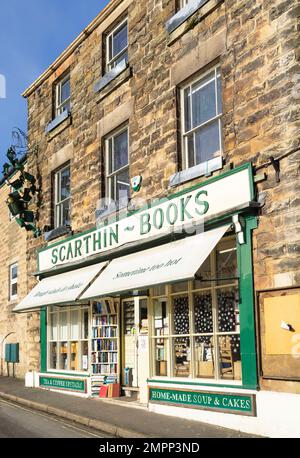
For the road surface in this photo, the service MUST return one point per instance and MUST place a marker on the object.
(21, 422)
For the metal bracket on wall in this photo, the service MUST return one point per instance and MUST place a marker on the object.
(276, 164)
(239, 227)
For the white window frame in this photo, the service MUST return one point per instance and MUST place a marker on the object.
(110, 63)
(13, 281)
(68, 309)
(58, 205)
(184, 134)
(111, 176)
(59, 104)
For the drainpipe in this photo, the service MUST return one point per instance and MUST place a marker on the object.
(2, 358)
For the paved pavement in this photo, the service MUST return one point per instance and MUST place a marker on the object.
(115, 420)
(21, 422)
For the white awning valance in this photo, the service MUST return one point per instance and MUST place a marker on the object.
(60, 289)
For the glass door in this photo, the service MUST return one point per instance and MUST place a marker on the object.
(135, 323)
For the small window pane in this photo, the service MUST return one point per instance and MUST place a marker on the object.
(85, 324)
(14, 289)
(66, 219)
(110, 47)
(14, 272)
(123, 56)
(182, 356)
(84, 356)
(203, 316)
(181, 315)
(230, 357)
(110, 156)
(53, 326)
(159, 290)
(120, 40)
(53, 355)
(204, 275)
(179, 287)
(191, 150)
(74, 356)
(65, 107)
(65, 184)
(161, 322)
(228, 310)
(161, 358)
(63, 356)
(204, 102)
(227, 270)
(65, 91)
(63, 316)
(204, 357)
(187, 109)
(207, 142)
(120, 150)
(123, 188)
(219, 86)
(74, 324)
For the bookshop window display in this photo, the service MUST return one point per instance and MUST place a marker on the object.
(195, 328)
(68, 344)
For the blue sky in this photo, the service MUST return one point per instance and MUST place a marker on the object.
(32, 34)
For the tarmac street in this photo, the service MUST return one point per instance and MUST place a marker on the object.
(20, 422)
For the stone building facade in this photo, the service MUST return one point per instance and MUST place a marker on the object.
(21, 329)
(256, 47)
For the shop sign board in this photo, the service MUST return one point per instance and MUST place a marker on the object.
(187, 208)
(63, 384)
(221, 402)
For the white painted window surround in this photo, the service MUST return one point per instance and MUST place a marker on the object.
(62, 197)
(117, 45)
(117, 167)
(62, 96)
(13, 281)
(201, 108)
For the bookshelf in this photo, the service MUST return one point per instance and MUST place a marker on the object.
(105, 339)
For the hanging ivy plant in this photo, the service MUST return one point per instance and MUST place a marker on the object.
(23, 190)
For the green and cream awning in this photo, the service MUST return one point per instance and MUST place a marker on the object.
(176, 261)
(172, 262)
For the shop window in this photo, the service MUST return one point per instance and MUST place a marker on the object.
(62, 96)
(68, 339)
(117, 45)
(62, 197)
(117, 168)
(13, 282)
(195, 329)
(201, 106)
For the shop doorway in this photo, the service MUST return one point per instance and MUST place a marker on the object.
(134, 328)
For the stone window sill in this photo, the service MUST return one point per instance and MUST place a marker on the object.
(200, 170)
(58, 124)
(111, 214)
(57, 233)
(111, 80)
(188, 17)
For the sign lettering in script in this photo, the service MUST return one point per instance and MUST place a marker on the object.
(222, 402)
(188, 208)
(63, 384)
